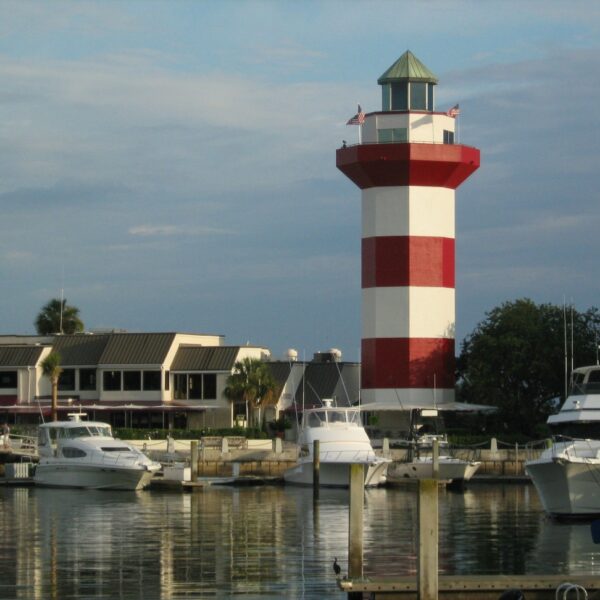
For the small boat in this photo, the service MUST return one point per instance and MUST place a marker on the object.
(342, 441)
(567, 474)
(84, 454)
(419, 463)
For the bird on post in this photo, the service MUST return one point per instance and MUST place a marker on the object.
(336, 568)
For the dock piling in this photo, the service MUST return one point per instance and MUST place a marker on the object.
(355, 529)
(194, 460)
(316, 467)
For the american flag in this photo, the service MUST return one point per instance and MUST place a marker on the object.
(454, 111)
(358, 118)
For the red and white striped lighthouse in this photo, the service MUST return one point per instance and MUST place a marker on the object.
(408, 167)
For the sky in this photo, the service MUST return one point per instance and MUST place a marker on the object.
(170, 165)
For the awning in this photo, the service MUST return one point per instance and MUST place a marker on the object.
(443, 406)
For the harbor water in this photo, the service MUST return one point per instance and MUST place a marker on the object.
(265, 541)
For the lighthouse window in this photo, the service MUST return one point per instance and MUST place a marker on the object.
(448, 137)
(418, 95)
(399, 92)
(390, 136)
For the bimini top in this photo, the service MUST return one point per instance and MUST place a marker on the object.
(407, 68)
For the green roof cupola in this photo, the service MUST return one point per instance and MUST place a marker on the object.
(407, 85)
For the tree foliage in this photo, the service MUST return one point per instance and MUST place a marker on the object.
(51, 368)
(252, 383)
(515, 359)
(58, 317)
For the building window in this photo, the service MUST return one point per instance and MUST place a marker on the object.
(180, 386)
(448, 137)
(111, 381)
(167, 380)
(66, 381)
(8, 379)
(195, 386)
(151, 381)
(87, 379)
(397, 135)
(132, 381)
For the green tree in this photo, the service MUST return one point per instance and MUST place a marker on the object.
(253, 384)
(52, 369)
(515, 359)
(58, 317)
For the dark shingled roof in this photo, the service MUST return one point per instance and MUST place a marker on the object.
(323, 380)
(80, 349)
(280, 371)
(19, 356)
(136, 349)
(202, 358)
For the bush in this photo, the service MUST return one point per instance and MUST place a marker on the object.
(185, 434)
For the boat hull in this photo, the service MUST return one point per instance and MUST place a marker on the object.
(91, 476)
(335, 474)
(567, 488)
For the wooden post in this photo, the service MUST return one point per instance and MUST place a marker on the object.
(194, 460)
(316, 467)
(427, 567)
(355, 528)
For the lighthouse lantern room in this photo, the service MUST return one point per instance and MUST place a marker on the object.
(408, 166)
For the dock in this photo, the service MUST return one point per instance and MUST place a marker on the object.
(470, 587)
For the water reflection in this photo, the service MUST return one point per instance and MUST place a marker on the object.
(262, 541)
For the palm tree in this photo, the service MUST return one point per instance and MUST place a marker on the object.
(57, 317)
(51, 369)
(252, 383)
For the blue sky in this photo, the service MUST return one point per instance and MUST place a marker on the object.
(171, 165)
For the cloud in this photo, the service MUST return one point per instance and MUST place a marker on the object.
(175, 230)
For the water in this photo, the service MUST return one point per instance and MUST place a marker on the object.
(260, 542)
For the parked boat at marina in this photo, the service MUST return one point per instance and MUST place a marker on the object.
(419, 462)
(342, 441)
(84, 454)
(567, 474)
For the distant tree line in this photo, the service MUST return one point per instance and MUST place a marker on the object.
(515, 360)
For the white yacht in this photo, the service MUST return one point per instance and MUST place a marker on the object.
(419, 463)
(567, 474)
(342, 441)
(84, 454)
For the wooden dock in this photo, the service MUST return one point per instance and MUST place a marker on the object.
(472, 587)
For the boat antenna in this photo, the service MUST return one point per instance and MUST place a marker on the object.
(596, 338)
(565, 341)
(572, 336)
(303, 379)
(337, 366)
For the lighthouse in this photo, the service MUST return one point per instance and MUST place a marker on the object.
(408, 164)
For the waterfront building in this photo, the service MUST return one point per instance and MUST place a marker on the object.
(408, 164)
(126, 379)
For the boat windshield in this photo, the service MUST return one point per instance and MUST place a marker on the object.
(85, 431)
(591, 386)
(322, 418)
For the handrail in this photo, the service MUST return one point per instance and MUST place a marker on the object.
(377, 143)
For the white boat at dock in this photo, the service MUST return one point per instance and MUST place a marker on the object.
(567, 474)
(342, 441)
(419, 463)
(84, 454)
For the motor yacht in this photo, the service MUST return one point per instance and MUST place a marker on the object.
(84, 454)
(342, 441)
(567, 473)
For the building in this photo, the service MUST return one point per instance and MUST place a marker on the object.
(408, 164)
(126, 379)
